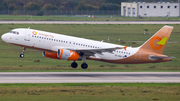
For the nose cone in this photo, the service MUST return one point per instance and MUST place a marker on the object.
(3, 37)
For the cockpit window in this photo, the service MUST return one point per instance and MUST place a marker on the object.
(14, 32)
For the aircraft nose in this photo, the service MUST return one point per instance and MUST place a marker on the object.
(3, 37)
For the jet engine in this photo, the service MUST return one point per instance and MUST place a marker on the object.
(50, 55)
(63, 54)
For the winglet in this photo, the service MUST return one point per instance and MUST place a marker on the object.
(125, 47)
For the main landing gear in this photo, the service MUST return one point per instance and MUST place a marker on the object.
(74, 65)
(23, 51)
(83, 65)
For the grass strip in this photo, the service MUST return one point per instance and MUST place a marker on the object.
(90, 91)
(21, 85)
(74, 18)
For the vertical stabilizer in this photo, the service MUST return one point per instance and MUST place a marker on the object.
(158, 41)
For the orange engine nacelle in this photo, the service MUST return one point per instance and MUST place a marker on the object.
(50, 55)
(63, 54)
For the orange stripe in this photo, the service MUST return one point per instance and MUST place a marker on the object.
(61, 52)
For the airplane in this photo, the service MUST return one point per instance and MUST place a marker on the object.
(58, 46)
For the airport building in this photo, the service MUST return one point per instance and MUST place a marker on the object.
(143, 9)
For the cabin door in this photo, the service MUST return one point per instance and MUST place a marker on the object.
(138, 55)
(27, 35)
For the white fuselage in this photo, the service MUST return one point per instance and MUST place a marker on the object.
(52, 42)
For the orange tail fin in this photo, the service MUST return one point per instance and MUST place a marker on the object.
(158, 41)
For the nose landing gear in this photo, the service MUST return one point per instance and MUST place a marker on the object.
(23, 51)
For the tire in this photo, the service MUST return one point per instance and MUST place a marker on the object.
(84, 66)
(74, 65)
(21, 55)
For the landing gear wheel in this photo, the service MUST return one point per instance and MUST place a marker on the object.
(74, 65)
(21, 55)
(84, 66)
(23, 51)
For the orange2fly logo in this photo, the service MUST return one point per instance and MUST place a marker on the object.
(160, 43)
(34, 33)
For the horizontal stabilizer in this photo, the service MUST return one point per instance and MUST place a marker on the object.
(152, 57)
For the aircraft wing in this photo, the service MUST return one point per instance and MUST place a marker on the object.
(91, 52)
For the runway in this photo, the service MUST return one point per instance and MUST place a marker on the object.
(89, 22)
(90, 77)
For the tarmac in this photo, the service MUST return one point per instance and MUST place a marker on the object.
(90, 77)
